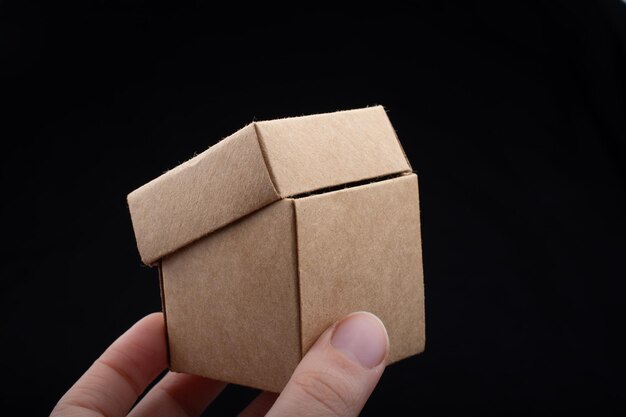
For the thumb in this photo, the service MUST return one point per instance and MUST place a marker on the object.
(340, 371)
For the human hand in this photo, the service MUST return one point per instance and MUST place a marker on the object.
(335, 378)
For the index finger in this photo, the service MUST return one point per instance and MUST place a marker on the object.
(112, 384)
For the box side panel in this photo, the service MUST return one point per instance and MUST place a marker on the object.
(360, 249)
(231, 299)
(220, 185)
(314, 152)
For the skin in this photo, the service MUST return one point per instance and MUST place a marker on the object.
(329, 381)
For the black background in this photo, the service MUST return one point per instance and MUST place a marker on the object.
(512, 114)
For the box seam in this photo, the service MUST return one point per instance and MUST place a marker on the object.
(297, 267)
(167, 338)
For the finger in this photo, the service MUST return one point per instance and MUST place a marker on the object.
(260, 405)
(178, 395)
(338, 374)
(112, 384)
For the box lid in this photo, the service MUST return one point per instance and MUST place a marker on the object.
(260, 164)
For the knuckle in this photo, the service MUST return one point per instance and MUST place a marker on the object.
(330, 391)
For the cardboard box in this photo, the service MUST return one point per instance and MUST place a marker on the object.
(276, 232)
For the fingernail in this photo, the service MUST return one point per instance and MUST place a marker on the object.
(362, 336)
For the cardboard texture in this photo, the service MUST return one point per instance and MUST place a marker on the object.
(275, 233)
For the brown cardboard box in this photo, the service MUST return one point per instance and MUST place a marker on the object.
(277, 231)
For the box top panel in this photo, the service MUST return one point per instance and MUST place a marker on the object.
(260, 164)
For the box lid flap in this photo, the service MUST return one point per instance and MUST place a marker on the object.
(258, 165)
(211, 190)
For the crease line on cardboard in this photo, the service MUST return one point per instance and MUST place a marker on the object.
(395, 134)
(270, 172)
(298, 293)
